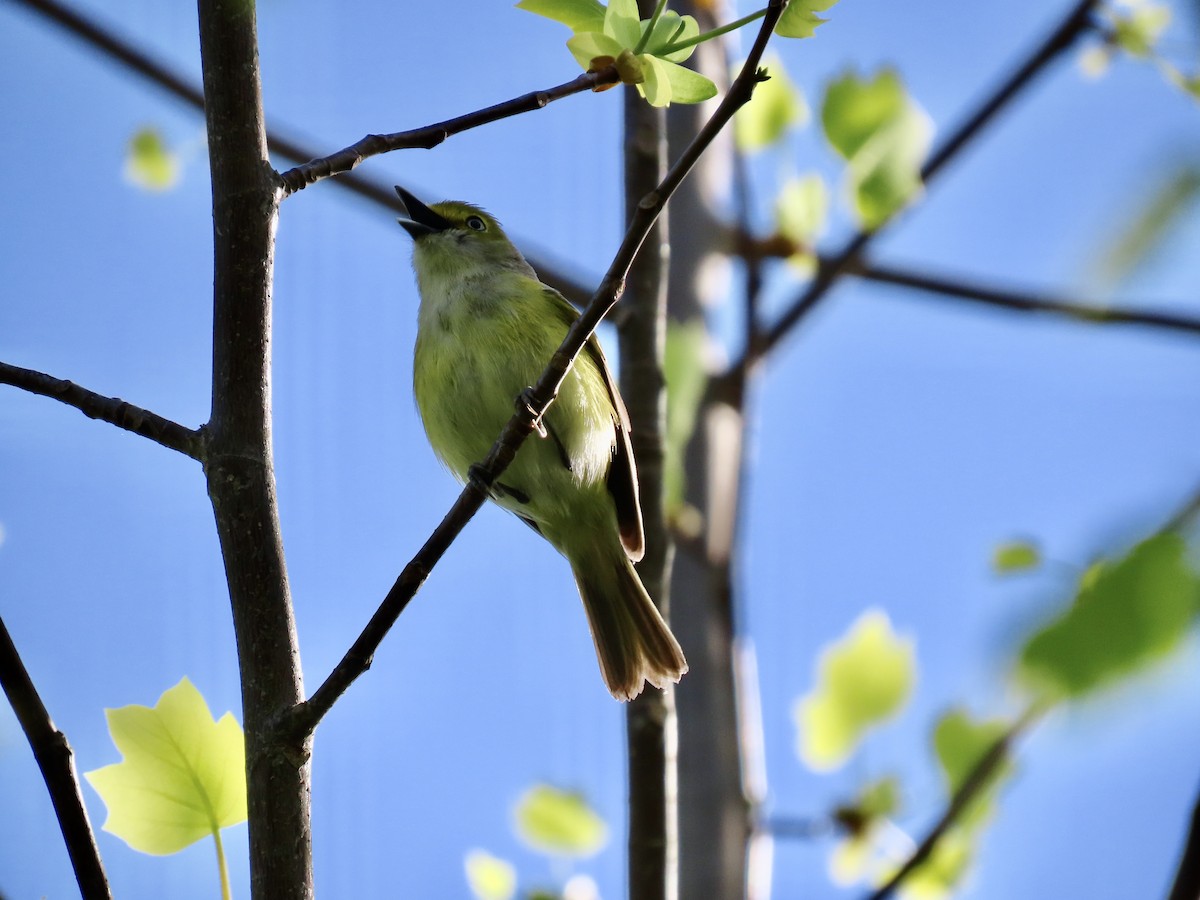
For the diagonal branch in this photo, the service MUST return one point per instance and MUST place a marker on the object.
(1023, 301)
(108, 409)
(304, 718)
(431, 135)
(57, 764)
(1077, 20)
(976, 780)
(101, 38)
(1187, 875)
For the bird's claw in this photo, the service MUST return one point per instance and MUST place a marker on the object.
(479, 475)
(525, 403)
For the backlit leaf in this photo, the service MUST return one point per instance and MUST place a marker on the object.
(559, 822)
(149, 163)
(800, 19)
(182, 777)
(776, 106)
(862, 680)
(1015, 556)
(578, 15)
(490, 877)
(686, 377)
(1127, 613)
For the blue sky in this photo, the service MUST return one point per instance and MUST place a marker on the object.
(896, 440)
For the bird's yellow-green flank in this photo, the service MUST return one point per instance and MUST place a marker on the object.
(486, 329)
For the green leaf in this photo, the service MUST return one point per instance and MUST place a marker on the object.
(802, 208)
(883, 136)
(960, 743)
(590, 45)
(1137, 30)
(943, 871)
(800, 19)
(489, 877)
(776, 106)
(1127, 614)
(149, 163)
(687, 86)
(578, 15)
(182, 777)
(863, 680)
(1015, 556)
(621, 22)
(672, 27)
(657, 86)
(686, 377)
(559, 822)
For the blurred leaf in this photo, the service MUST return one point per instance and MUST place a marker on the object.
(1189, 84)
(776, 106)
(1161, 208)
(686, 377)
(559, 822)
(800, 213)
(863, 679)
(1095, 60)
(182, 777)
(880, 798)
(149, 164)
(1127, 614)
(854, 856)
(960, 744)
(942, 872)
(1138, 27)
(884, 137)
(490, 877)
(1016, 556)
(578, 15)
(800, 19)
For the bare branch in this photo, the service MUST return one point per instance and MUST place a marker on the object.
(57, 764)
(357, 660)
(431, 135)
(107, 409)
(1021, 301)
(109, 43)
(977, 779)
(1187, 875)
(1077, 20)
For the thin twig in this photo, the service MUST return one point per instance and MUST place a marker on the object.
(972, 785)
(431, 135)
(57, 764)
(107, 409)
(101, 38)
(358, 658)
(1022, 301)
(1073, 24)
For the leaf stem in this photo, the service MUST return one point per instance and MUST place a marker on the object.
(709, 35)
(221, 866)
(658, 11)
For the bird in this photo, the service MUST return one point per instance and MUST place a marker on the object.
(486, 329)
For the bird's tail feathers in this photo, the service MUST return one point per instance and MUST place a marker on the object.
(633, 643)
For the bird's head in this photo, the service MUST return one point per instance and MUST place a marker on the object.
(456, 238)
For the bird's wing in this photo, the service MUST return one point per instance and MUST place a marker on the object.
(622, 474)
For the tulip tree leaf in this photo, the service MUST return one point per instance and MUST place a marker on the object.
(960, 743)
(489, 877)
(149, 163)
(578, 15)
(1016, 556)
(884, 137)
(863, 679)
(1128, 613)
(776, 106)
(559, 822)
(800, 19)
(182, 776)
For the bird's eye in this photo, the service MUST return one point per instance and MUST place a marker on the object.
(476, 224)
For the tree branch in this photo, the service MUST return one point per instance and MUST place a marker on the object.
(977, 779)
(1076, 21)
(57, 764)
(431, 135)
(302, 720)
(1187, 876)
(1021, 301)
(107, 409)
(101, 38)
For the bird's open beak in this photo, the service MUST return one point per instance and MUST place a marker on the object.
(421, 219)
